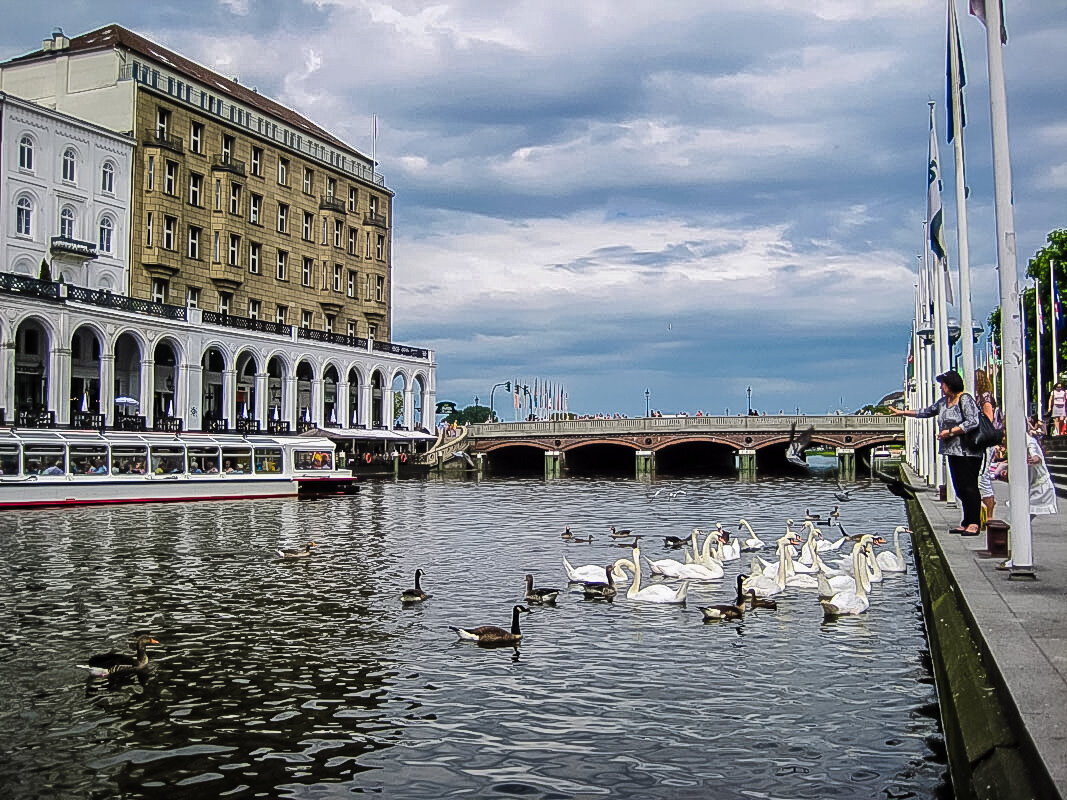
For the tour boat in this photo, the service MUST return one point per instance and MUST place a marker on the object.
(47, 467)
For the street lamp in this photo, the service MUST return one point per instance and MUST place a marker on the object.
(646, 402)
(492, 411)
(749, 391)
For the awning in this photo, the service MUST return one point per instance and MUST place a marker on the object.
(369, 434)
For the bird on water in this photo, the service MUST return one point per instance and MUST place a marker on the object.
(491, 634)
(106, 665)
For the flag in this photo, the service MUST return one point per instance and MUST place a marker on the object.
(957, 76)
(934, 213)
(978, 10)
(1037, 305)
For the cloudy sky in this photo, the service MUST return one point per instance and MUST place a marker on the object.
(690, 197)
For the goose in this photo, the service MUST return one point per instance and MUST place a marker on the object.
(601, 590)
(106, 665)
(491, 634)
(629, 545)
(760, 602)
(581, 539)
(566, 533)
(657, 593)
(676, 542)
(854, 602)
(620, 534)
(809, 517)
(541, 595)
(764, 585)
(416, 595)
(736, 610)
(589, 572)
(894, 562)
(282, 555)
(753, 542)
(835, 514)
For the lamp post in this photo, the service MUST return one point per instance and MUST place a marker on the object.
(492, 411)
(646, 402)
(749, 391)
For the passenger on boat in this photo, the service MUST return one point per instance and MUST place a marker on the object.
(55, 469)
(227, 467)
(99, 468)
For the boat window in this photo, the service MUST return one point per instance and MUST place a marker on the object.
(203, 460)
(48, 459)
(128, 460)
(235, 460)
(268, 459)
(9, 460)
(88, 460)
(168, 460)
(313, 459)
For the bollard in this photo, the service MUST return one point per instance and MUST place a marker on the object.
(996, 539)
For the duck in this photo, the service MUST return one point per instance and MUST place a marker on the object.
(589, 572)
(107, 665)
(282, 555)
(601, 590)
(834, 515)
(894, 562)
(416, 595)
(629, 545)
(755, 601)
(491, 634)
(620, 534)
(736, 610)
(753, 542)
(854, 602)
(657, 593)
(566, 533)
(541, 595)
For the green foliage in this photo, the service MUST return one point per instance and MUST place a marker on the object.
(46, 272)
(471, 415)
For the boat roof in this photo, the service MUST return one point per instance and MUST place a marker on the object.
(67, 437)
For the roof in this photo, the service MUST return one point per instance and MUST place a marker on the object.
(115, 36)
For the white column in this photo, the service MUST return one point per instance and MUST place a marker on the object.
(261, 410)
(229, 397)
(344, 415)
(289, 410)
(148, 388)
(387, 407)
(409, 407)
(317, 401)
(7, 378)
(107, 387)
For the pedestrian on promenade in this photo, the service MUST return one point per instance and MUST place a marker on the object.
(1057, 409)
(957, 414)
(983, 395)
(1042, 489)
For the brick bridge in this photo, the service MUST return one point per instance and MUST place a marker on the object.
(694, 443)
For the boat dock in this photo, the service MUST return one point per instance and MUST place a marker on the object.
(999, 652)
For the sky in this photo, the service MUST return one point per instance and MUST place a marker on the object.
(687, 197)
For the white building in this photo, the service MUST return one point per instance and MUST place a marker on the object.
(65, 197)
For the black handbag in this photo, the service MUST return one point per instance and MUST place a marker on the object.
(986, 435)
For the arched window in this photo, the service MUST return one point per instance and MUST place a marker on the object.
(26, 153)
(107, 227)
(107, 178)
(24, 217)
(66, 223)
(69, 160)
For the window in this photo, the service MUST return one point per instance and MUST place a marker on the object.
(26, 153)
(281, 315)
(283, 171)
(253, 257)
(255, 203)
(309, 178)
(193, 250)
(170, 181)
(256, 164)
(162, 123)
(107, 227)
(225, 298)
(227, 147)
(379, 251)
(331, 187)
(352, 283)
(196, 184)
(148, 229)
(170, 225)
(308, 221)
(352, 241)
(325, 277)
(24, 217)
(373, 200)
(192, 297)
(327, 325)
(218, 195)
(372, 330)
(379, 289)
(366, 252)
(235, 198)
(235, 250)
(283, 218)
(351, 330)
(66, 223)
(69, 161)
(107, 178)
(151, 179)
(159, 290)
(196, 137)
(253, 309)
(338, 274)
(282, 265)
(305, 319)
(352, 197)
(338, 232)
(366, 289)
(305, 272)
(325, 228)
(215, 248)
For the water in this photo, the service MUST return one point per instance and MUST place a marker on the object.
(309, 679)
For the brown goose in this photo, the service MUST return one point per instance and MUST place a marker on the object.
(105, 665)
(599, 590)
(281, 555)
(491, 634)
(541, 595)
(416, 595)
(760, 602)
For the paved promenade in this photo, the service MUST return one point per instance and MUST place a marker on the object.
(1023, 624)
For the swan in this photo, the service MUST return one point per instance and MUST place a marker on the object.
(728, 550)
(831, 584)
(893, 562)
(770, 568)
(416, 595)
(588, 572)
(824, 546)
(849, 603)
(764, 585)
(541, 595)
(796, 577)
(491, 634)
(753, 542)
(669, 568)
(657, 593)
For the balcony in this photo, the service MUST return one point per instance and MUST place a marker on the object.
(328, 202)
(167, 424)
(65, 246)
(225, 163)
(162, 139)
(378, 220)
(36, 419)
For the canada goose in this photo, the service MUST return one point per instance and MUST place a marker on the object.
(676, 542)
(809, 517)
(106, 665)
(416, 595)
(760, 602)
(600, 590)
(566, 533)
(724, 611)
(282, 555)
(541, 595)
(491, 634)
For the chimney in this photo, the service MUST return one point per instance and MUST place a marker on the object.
(58, 41)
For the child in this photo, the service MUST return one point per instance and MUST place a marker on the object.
(1042, 490)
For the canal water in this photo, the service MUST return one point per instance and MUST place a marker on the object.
(310, 680)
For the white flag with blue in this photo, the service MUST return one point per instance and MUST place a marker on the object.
(934, 214)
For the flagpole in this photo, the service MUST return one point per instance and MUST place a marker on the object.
(1010, 319)
(1054, 316)
(940, 320)
(1038, 392)
(963, 250)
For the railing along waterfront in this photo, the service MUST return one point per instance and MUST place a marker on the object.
(709, 424)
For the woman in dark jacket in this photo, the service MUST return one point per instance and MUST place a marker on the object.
(957, 414)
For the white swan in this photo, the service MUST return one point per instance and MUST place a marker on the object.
(893, 562)
(853, 602)
(764, 585)
(657, 593)
(589, 572)
(669, 568)
(753, 542)
(726, 550)
(832, 582)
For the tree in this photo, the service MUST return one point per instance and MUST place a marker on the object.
(46, 272)
(471, 415)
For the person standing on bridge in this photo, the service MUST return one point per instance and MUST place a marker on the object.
(957, 414)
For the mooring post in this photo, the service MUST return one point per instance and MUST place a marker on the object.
(645, 462)
(746, 464)
(553, 463)
(846, 464)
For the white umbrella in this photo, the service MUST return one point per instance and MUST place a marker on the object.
(85, 402)
(170, 408)
(124, 400)
(333, 417)
(274, 414)
(307, 414)
(355, 417)
(244, 410)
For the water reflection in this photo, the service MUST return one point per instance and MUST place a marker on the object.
(311, 678)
